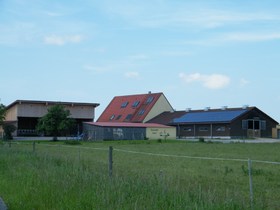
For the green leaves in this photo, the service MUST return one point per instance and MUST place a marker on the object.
(2, 113)
(56, 122)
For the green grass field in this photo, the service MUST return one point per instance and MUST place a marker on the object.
(146, 175)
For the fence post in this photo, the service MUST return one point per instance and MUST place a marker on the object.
(251, 184)
(33, 146)
(110, 161)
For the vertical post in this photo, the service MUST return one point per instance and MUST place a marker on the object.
(251, 183)
(33, 146)
(110, 161)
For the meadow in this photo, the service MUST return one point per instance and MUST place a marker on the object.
(146, 175)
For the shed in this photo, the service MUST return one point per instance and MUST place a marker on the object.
(127, 131)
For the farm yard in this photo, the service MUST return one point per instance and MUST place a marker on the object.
(145, 175)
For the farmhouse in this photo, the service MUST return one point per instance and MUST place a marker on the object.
(135, 108)
(244, 122)
(24, 114)
(127, 131)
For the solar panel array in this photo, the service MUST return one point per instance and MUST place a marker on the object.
(210, 116)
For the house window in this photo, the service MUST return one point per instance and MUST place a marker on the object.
(187, 129)
(128, 117)
(135, 104)
(221, 128)
(141, 112)
(119, 117)
(203, 129)
(149, 100)
(124, 104)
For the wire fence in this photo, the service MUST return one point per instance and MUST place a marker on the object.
(113, 158)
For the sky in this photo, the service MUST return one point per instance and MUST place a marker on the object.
(199, 53)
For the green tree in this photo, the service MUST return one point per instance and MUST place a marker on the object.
(2, 113)
(56, 122)
(8, 130)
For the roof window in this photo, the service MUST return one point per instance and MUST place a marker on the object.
(141, 112)
(135, 104)
(112, 117)
(128, 117)
(149, 100)
(124, 104)
(119, 117)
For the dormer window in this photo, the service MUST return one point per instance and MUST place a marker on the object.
(124, 104)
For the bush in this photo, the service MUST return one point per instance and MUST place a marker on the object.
(201, 139)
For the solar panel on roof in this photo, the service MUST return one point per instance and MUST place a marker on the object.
(208, 116)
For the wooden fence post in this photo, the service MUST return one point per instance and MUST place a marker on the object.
(251, 183)
(110, 161)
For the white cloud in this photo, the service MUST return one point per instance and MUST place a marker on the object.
(131, 74)
(62, 40)
(213, 81)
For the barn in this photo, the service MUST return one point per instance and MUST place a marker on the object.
(244, 122)
(127, 131)
(24, 114)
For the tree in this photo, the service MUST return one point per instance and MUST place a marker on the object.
(2, 113)
(8, 130)
(55, 122)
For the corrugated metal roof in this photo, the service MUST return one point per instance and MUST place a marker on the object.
(53, 103)
(124, 124)
(210, 116)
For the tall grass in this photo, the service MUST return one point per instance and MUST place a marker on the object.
(58, 177)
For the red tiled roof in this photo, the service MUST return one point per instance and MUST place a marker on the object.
(130, 108)
(127, 124)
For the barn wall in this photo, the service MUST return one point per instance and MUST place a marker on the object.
(161, 133)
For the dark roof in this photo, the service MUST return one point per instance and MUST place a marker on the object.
(167, 117)
(210, 116)
(129, 108)
(127, 124)
(52, 103)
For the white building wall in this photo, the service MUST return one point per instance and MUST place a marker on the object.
(160, 106)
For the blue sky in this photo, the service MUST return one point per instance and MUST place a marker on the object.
(199, 53)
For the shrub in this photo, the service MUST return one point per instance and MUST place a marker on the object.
(201, 139)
